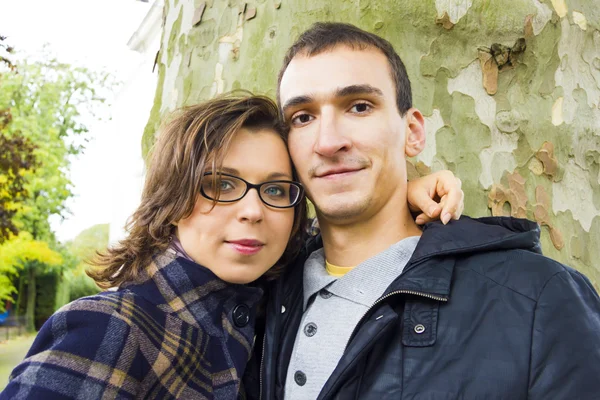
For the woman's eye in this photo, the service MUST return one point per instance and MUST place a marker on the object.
(302, 119)
(225, 186)
(274, 191)
(360, 108)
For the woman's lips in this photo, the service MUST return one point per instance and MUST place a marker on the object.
(246, 247)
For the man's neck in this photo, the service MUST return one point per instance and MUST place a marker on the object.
(350, 244)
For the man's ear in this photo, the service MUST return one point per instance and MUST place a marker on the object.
(415, 132)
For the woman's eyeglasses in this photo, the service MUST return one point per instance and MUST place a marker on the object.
(226, 188)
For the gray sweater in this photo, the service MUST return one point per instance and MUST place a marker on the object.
(331, 315)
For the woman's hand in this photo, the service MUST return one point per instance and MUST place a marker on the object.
(437, 195)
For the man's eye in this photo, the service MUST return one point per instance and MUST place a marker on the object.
(302, 119)
(360, 108)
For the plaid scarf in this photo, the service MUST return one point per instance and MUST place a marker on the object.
(179, 333)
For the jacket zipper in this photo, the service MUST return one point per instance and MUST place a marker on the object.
(260, 371)
(379, 300)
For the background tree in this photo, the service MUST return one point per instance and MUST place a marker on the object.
(24, 256)
(50, 103)
(16, 158)
(44, 108)
(510, 93)
(62, 268)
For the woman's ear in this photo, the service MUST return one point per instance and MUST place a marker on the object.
(415, 132)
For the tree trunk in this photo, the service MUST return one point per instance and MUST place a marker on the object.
(21, 304)
(31, 293)
(520, 126)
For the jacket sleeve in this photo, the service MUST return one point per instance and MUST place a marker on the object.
(78, 353)
(565, 353)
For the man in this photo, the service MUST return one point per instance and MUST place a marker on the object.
(377, 308)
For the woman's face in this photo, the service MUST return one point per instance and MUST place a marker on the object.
(240, 241)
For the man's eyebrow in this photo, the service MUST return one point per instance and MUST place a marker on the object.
(340, 92)
(358, 89)
(296, 101)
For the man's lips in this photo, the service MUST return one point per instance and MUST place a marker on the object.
(246, 246)
(336, 172)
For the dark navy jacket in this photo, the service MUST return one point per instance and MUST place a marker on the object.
(478, 313)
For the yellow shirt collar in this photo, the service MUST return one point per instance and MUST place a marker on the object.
(336, 271)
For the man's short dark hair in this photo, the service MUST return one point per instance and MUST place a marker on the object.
(323, 36)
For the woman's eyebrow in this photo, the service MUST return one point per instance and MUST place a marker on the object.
(231, 171)
(278, 175)
(271, 176)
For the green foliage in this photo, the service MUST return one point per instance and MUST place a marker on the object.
(89, 241)
(83, 248)
(62, 293)
(47, 286)
(19, 253)
(6, 49)
(19, 250)
(79, 285)
(16, 161)
(44, 106)
(48, 103)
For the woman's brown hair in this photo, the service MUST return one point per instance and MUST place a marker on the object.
(194, 137)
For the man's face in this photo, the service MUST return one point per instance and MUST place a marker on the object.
(347, 138)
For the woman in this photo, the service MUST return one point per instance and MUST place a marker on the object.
(220, 213)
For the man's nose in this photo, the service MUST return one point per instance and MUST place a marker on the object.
(331, 139)
(251, 207)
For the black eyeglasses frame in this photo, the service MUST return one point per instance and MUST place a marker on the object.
(257, 187)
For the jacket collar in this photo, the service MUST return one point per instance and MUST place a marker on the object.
(190, 291)
(469, 235)
(429, 270)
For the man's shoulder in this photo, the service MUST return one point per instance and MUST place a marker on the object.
(504, 251)
(523, 272)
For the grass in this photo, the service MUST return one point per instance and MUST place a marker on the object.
(12, 353)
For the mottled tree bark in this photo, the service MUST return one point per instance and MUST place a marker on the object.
(510, 91)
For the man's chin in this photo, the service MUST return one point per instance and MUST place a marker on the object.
(342, 210)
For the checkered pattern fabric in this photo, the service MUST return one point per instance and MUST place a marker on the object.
(170, 336)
